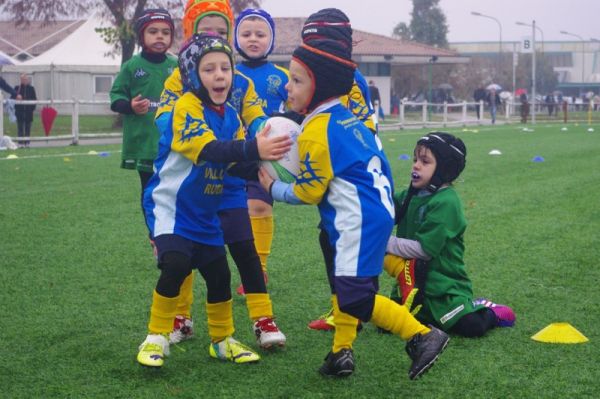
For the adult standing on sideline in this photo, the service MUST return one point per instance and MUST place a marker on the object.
(24, 112)
(376, 99)
(493, 100)
(478, 95)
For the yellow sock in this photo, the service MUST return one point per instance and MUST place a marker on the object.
(390, 316)
(393, 265)
(259, 305)
(345, 328)
(262, 229)
(186, 297)
(220, 320)
(162, 314)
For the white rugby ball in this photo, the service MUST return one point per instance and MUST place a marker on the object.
(288, 167)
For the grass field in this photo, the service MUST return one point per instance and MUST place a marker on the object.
(77, 273)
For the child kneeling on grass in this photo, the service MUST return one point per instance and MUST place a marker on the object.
(346, 174)
(431, 225)
(183, 196)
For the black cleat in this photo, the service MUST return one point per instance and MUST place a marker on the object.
(424, 351)
(339, 364)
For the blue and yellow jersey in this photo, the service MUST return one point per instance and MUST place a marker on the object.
(269, 82)
(184, 194)
(358, 101)
(343, 169)
(244, 98)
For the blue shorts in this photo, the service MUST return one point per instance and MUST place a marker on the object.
(200, 254)
(358, 293)
(256, 191)
(235, 224)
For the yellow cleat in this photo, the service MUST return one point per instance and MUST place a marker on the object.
(153, 350)
(232, 350)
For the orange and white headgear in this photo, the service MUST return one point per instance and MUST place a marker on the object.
(197, 9)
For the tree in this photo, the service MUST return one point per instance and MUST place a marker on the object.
(428, 24)
(121, 13)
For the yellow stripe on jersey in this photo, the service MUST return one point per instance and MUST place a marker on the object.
(358, 106)
(172, 90)
(251, 104)
(190, 131)
(316, 170)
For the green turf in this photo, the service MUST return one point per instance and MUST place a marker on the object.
(77, 273)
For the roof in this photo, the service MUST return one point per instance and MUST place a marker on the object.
(76, 43)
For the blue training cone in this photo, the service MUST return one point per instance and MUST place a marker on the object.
(404, 157)
(538, 158)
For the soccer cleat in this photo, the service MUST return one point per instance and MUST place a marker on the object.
(183, 329)
(339, 364)
(505, 316)
(240, 289)
(324, 322)
(424, 351)
(153, 350)
(232, 350)
(267, 333)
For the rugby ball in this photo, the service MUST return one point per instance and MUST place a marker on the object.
(288, 167)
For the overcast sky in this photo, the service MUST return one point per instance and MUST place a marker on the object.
(581, 17)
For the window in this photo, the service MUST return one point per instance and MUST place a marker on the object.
(374, 68)
(560, 59)
(102, 84)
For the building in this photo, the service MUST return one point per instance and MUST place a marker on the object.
(70, 60)
(576, 63)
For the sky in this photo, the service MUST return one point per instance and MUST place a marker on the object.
(580, 17)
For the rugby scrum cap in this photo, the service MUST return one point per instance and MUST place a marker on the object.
(197, 9)
(450, 155)
(328, 23)
(149, 16)
(330, 66)
(254, 13)
(190, 55)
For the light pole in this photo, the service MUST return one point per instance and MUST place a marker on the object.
(478, 14)
(564, 32)
(536, 27)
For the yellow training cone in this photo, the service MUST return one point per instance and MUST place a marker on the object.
(560, 333)
(12, 156)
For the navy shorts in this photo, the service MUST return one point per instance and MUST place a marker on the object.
(356, 293)
(235, 224)
(256, 191)
(200, 254)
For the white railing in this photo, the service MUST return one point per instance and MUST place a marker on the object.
(426, 114)
(75, 105)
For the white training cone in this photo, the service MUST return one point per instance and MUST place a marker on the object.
(495, 152)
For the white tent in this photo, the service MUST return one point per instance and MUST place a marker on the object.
(81, 66)
(85, 46)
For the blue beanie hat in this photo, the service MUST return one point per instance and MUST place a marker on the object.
(254, 13)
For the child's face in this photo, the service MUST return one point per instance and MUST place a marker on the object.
(254, 37)
(300, 87)
(216, 75)
(424, 164)
(213, 24)
(157, 37)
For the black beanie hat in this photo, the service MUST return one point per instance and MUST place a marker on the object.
(450, 155)
(330, 66)
(328, 23)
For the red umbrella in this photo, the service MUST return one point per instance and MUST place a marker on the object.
(520, 91)
(48, 115)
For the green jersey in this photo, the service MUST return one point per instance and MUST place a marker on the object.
(438, 223)
(140, 135)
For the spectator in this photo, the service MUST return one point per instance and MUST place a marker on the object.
(376, 99)
(493, 100)
(550, 103)
(478, 96)
(524, 108)
(24, 112)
